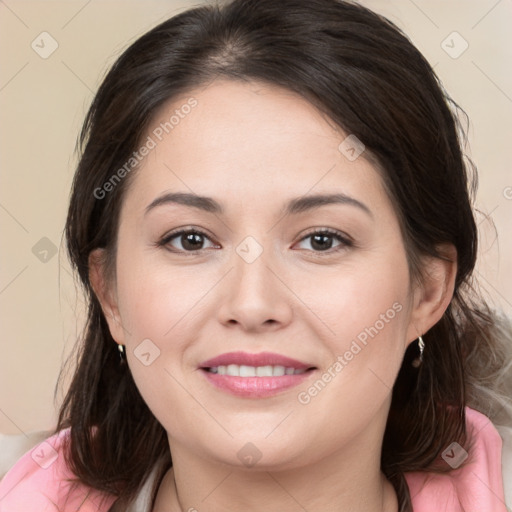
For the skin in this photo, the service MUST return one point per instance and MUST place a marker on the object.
(252, 147)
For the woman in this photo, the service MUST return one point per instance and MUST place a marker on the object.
(272, 221)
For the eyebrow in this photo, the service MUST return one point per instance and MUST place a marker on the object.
(293, 207)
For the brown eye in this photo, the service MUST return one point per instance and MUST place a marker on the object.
(186, 241)
(322, 241)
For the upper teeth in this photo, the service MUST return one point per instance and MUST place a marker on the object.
(236, 370)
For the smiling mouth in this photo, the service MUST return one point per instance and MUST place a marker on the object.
(255, 375)
(235, 370)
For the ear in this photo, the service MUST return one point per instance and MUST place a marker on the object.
(104, 289)
(434, 294)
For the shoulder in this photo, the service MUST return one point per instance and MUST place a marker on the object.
(41, 480)
(506, 461)
(476, 480)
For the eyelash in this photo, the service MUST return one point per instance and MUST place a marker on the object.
(344, 239)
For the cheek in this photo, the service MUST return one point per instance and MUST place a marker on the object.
(162, 309)
(365, 299)
(156, 301)
(158, 308)
(366, 308)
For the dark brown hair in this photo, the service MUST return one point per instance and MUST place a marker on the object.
(364, 74)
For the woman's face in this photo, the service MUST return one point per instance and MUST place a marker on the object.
(257, 284)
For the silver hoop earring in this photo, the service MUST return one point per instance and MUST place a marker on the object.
(421, 347)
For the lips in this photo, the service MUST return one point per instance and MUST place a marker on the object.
(255, 375)
(260, 359)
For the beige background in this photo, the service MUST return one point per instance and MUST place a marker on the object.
(43, 102)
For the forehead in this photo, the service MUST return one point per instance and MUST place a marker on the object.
(249, 142)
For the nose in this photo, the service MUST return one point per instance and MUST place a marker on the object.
(256, 296)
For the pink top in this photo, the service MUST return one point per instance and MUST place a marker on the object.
(37, 482)
(475, 486)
